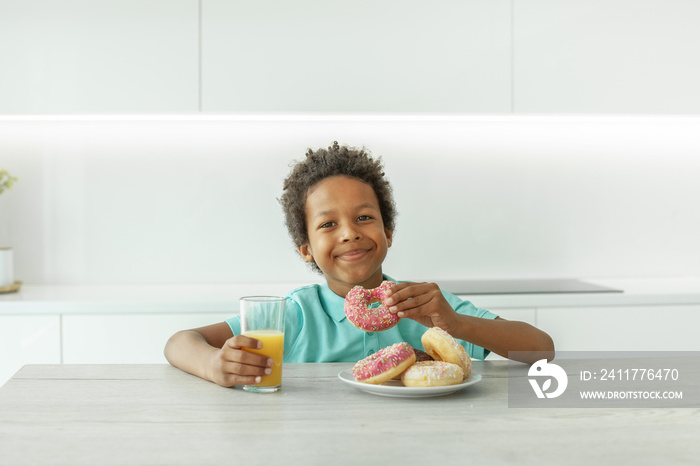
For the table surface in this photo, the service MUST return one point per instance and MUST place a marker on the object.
(156, 414)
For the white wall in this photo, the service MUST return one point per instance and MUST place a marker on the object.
(193, 199)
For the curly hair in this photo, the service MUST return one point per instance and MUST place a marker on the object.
(324, 163)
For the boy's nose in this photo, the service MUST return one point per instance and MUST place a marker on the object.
(350, 234)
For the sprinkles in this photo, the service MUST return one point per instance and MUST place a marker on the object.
(432, 373)
(442, 346)
(359, 313)
(382, 361)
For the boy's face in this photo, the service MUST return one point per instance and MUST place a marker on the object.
(347, 238)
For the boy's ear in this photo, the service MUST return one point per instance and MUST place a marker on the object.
(389, 235)
(305, 252)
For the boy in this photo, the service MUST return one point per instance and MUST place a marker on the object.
(340, 214)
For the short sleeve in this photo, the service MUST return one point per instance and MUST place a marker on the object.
(293, 322)
(235, 324)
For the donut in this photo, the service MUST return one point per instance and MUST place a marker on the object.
(384, 364)
(360, 315)
(432, 374)
(441, 346)
(420, 356)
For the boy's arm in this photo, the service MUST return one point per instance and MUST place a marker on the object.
(425, 303)
(215, 354)
(501, 336)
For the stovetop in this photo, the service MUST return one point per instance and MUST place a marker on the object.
(521, 286)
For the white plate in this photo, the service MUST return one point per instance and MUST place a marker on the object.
(395, 388)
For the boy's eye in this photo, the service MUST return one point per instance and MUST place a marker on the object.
(364, 217)
(327, 224)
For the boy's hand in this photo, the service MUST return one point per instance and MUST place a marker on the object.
(422, 302)
(231, 365)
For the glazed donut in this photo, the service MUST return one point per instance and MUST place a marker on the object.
(432, 374)
(384, 364)
(359, 314)
(443, 347)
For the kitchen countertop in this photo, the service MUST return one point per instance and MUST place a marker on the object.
(185, 298)
(156, 414)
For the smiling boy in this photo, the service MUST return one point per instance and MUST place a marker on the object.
(347, 237)
(340, 213)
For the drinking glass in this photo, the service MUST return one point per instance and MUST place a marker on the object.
(262, 318)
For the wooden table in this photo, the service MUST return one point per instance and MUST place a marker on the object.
(156, 414)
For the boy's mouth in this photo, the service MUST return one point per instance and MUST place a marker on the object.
(353, 255)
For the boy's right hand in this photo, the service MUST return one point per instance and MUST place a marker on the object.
(232, 365)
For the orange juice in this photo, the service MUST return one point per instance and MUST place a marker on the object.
(273, 347)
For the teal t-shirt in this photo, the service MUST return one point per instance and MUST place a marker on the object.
(316, 329)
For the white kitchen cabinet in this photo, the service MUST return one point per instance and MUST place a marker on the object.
(626, 56)
(82, 56)
(523, 314)
(125, 338)
(623, 328)
(131, 324)
(359, 56)
(31, 339)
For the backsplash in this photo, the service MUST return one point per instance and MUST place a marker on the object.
(192, 199)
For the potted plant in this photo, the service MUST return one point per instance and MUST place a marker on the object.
(7, 278)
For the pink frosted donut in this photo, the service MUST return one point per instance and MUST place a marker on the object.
(385, 364)
(359, 314)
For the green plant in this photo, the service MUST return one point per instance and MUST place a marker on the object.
(6, 181)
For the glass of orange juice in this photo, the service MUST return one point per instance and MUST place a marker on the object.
(262, 318)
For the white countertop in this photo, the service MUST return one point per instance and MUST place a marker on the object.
(166, 298)
(185, 298)
(156, 414)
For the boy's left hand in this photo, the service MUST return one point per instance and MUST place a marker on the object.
(422, 302)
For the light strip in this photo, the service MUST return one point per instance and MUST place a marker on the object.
(194, 117)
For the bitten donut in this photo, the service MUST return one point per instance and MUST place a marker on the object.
(360, 315)
(443, 347)
(432, 374)
(384, 364)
